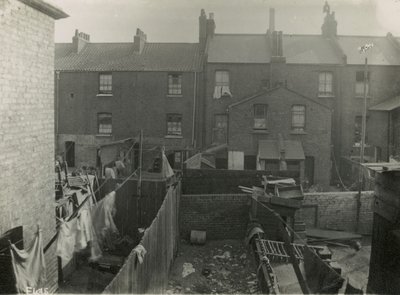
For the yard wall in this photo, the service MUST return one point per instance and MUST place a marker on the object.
(225, 216)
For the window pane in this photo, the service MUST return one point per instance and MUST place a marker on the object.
(220, 128)
(104, 122)
(260, 116)
(105, 83)
(221, 78)
(174, 124)
(298, 117)
(325, 83)
(174, 84)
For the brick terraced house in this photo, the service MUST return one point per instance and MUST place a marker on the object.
(254, 93)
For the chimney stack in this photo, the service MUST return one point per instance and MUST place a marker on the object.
(329, 27)
(202, 27)
(139, 40)
(80, 40)
(210, 25)
(272, 19)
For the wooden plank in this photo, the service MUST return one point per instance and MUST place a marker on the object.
(331, 234)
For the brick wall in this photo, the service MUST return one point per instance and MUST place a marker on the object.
(220, 181)
(337, 211)
(27, 124)
(139, 101)
(223, 216)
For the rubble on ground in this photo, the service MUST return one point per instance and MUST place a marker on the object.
(219, 267)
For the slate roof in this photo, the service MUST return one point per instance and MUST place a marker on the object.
(382, 53)
(387, 105)
(309, 49)
(239, 48)
(302, 49)
(180, 57)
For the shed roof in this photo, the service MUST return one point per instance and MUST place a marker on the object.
(387, 105)
(182, 57)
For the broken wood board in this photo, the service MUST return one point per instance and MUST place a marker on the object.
(331, 234)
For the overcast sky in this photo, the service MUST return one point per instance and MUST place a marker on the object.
(177, 20)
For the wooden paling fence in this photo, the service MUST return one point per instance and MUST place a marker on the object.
(160, 241)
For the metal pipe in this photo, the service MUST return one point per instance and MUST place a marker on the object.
(194, 109)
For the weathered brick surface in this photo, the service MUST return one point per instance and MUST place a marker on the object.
(139, 101)
(27, 124)
(223, 216)
(337, 211)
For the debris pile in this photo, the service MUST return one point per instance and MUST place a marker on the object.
(217, 267)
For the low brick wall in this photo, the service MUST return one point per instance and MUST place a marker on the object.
(337, 211)
(222, 216)
(225, 216)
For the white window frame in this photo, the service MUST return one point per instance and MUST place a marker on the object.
(325, 84)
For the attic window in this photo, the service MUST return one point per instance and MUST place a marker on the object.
(221, 85)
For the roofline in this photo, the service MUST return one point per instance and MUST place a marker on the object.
(299, 35)
(175, 43)
(46, 8)
(272, 90)
(129, 71)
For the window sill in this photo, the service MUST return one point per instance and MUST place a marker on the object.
(326, 96)
(174, 136)
(103, 135)
(104, 95)
(174, 95)
(298, 132)
(260, 131)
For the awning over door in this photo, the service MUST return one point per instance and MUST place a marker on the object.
(270, 150)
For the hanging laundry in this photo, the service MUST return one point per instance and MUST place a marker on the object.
(86, 236)
(109, 173)
(140, 252)
(167, 171)
(103, 221)
(66, 239)
(321, 278)
(29, 265)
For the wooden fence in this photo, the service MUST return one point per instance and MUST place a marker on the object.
(160, 241)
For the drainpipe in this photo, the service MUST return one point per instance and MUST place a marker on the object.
(194, 109)
(57, 105)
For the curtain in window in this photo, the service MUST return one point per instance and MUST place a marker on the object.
(221, 84)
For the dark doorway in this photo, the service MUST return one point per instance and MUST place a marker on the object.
(70, 153)
(309, 169)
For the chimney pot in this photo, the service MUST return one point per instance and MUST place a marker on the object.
(211, 15)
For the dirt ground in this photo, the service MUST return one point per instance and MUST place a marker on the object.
(223, 266)
(227, 267)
